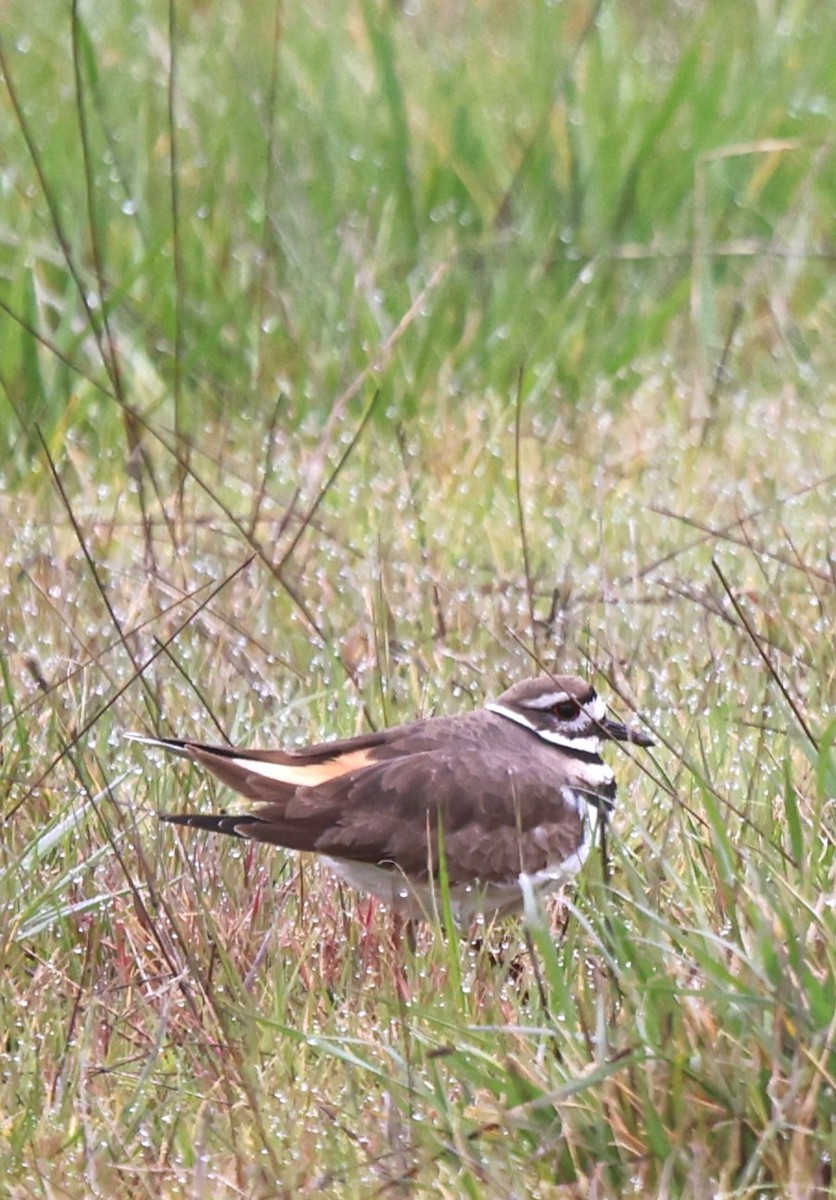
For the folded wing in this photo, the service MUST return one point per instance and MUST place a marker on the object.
(374, 800)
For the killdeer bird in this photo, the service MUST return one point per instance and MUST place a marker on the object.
(513, 790)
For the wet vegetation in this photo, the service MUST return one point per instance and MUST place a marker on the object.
(355, 361)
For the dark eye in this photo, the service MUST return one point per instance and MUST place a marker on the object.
(567, 710)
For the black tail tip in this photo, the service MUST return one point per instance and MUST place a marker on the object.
(228, 823)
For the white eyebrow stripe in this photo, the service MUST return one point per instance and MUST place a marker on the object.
(549, 700)
(594, 708)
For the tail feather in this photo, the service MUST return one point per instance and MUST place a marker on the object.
(231, 823)
(173, 744)
(249, 772)
(189, 749)
(277, 781)
(269, 827)
(272, 776)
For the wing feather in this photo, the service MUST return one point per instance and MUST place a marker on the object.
(382, 798)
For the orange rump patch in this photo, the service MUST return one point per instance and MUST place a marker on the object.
(312, 774)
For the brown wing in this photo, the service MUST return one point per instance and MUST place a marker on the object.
(497, 819)
(386, 807)
(266, 774)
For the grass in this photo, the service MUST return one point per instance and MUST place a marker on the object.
(355, 360)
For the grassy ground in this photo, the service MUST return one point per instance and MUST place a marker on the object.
(354, 360)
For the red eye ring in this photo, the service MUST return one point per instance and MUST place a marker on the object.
(566, 710)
